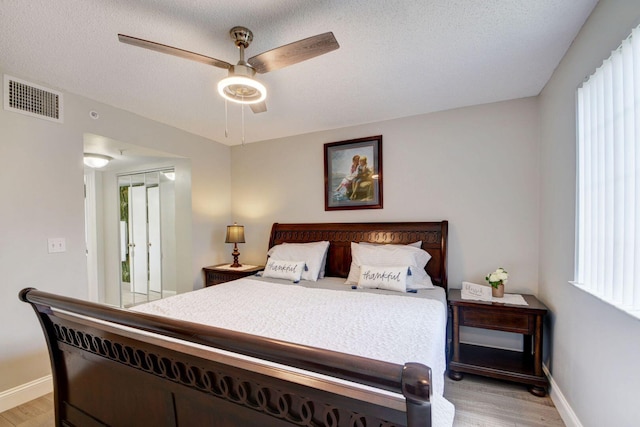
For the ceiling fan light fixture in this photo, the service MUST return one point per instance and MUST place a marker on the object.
(239, 86)
(241, 89)
(96, 161)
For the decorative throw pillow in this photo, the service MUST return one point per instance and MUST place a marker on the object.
(313, 254)
(278, 269)
(389, 278)
(389, 256)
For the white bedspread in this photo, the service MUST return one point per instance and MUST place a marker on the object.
(392, 328)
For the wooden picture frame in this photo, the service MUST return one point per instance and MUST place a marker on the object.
(353, 174)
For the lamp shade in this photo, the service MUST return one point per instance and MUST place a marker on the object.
(235, 234)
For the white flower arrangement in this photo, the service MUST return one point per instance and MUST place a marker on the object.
(498, 277)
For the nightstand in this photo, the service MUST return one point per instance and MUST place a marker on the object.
(216, 274)
(524, 367)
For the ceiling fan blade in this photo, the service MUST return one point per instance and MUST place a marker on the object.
(259, 107)
(163, 48)
(293, 53)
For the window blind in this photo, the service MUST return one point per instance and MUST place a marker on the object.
(608, 179)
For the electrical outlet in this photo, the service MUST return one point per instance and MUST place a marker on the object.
(57, 244)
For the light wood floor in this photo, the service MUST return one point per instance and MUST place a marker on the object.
(487, 402)
(37, 413)
(479, 402)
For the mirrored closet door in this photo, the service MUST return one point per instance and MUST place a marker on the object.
(146, 217)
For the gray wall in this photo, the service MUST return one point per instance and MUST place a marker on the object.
(41, 182)
(476, 167)
(595, 347)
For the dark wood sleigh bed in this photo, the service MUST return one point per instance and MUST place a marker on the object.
(116, 367)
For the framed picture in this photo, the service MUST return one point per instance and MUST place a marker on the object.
(353, 174)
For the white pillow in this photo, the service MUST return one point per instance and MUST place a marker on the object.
(417, 244)
(323, 263)
(312, 254)
(278, 269)
(389, 278)
(390, 256)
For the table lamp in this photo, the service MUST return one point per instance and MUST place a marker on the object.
(235, 235)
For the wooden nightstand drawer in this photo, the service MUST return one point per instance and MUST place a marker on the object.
(216, 277)
(217, 274)
(490, 319)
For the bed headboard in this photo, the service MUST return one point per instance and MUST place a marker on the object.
(340, 236)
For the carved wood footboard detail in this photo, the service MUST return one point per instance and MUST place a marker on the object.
(105, 374)
(239, 389)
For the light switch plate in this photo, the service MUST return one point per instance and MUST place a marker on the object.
(57, 244)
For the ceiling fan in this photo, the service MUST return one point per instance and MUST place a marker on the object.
(240, 86)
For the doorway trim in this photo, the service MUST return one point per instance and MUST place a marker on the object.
(91, 235)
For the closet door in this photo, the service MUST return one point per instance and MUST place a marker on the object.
(155, 246)
(138, 233)
(147, 224)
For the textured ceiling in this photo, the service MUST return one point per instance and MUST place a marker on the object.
(397, 57)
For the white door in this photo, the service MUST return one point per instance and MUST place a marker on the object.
(155, 247)
(146, 213)
(138, 233)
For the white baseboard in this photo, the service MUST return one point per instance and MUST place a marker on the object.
(566, 412)
(25, 392)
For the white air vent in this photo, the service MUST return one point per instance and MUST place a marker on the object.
(32, 100)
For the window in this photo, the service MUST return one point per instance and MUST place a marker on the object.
(608, 187)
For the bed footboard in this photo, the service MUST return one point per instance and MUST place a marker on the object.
(114, 367)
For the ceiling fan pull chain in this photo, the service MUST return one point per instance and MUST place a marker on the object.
(242, 106)
(226, 120)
